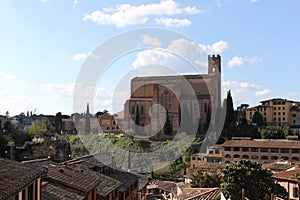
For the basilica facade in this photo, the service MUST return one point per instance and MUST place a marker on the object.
(152, 98)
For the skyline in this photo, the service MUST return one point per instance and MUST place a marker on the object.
(45, 43)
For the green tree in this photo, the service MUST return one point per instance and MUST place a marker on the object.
(229, 119)
(101, 113)
(137, 120)
(3, 145)
(258, 119)
(250, 176)
(201, 180)
(58, 122)
(272, 132)
(8, 127)
(208, 118)
(41, 128)
(168, 126)
(177, 165)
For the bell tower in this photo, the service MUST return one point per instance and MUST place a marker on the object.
(214, 64)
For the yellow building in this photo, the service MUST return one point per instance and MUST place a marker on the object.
(275, 112)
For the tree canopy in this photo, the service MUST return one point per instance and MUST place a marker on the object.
(258, 119)
(41, 128)
(58, 122)
(250, 176)
(273, 132)
(201, 180)
(168, 126)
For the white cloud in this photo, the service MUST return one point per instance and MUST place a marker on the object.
(58, 89)
(185, 48)
(151, 41)
(219, 3)
(253, 1)
(79, 56)
(253, 60)
(172, 22)
(237, 61)
(44, 1)
(217, 47)
(152, 56)
(240, 87)
(5, 76)
(178, 54)
(243, 92)
(126, 14)
(263, 92)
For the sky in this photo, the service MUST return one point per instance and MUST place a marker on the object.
(45, 44)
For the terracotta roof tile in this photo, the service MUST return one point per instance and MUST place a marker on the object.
(106, 184)
(199, 193)
(53, 192)
(126, 178)
(14, 176)
(164, 185)
(72, 178)
(263, 143)
(287, 175)
(275, 166)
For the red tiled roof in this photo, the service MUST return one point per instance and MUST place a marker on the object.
(263, 143)
(53, 192)
(278, 166)
(287, 175)
(72, 178)
(199, 193)
(15, 176)
(106, 185)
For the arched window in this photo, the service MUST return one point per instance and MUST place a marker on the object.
(274, 158)
(284, 158)
(227, 156)
(264, 157)
(245, 157)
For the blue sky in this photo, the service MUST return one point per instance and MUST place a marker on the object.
(44, 43)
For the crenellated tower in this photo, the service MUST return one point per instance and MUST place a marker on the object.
(214, 64)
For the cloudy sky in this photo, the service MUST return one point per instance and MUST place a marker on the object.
(45, 43)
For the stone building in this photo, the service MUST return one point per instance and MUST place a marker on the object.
(108, 124)
(198, 95)
(260, 150)
(276, 112)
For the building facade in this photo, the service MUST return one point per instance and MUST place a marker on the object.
(108, 124)
(175, 95)
(275, 112)
(261, 150)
